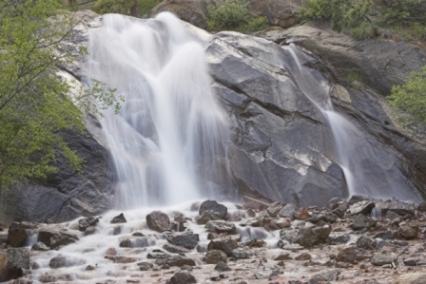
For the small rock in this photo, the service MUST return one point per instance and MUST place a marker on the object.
(119, 219)
(301, 213)
(267, 272)
(274, 208)
(324, 276)
(62, 261)
(308, 237)
(84, 223)
(225, 245)
(303, 256)
(352, 254)
(365, 242)
(175, 249)
(121, 259)
(287, 211)
(215, 256)
(111, 252)
(363, 222)
(407, 232)
(217, 210)
(158, 221)
(380, 259)
(19, 233)
(280, 223)
(201, 249)
(89, 268)
(362, 207)
(411, 278)
(12, 263)
(222, 266)
(90, 231)
(422, 207)
(47, 278)
(182, 277)
(55, 239)
(343, 239)
(136, 242)
(221, 227)
(175, 260)
(283, 256)
(242, 253)
(39, 246)
(186, 240)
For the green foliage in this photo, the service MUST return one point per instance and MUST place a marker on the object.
(134, 8)
(34, 106)
(233, 15)
(411, 97)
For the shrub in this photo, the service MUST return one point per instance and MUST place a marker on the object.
(134, 8)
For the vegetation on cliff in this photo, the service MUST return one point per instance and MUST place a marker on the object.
(34, 107)
(134, 8)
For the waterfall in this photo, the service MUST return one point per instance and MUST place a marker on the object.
(352, 148)
(168, 142)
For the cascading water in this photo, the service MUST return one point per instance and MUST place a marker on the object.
(353, 149)
(168, 140)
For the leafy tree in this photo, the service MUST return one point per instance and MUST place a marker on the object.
(34, 106)
(233, 15)
(411, 97)
(134, 8)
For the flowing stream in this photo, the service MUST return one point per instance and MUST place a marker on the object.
(169, 138)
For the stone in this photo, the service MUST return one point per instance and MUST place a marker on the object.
(216, 210)
(19, 232)
(303, 256)
(186, 240)
(45, 278)
(242, 253)
(308, 237)
(422, 207)
(380, 259)
(218, 226)
(237, 216)
(136, 242)
(287, 211)
(301, 213)
(62, 261)
(222, 266)
(363, 222)
(315, 218)
(356, 198)
(283, 256)
(173, 260)
(267, 272)
(39, 246)
(225, 245)
(330, 218)
(287, 235)
(91, 231)
(84, 223)
(324, 276)
(201, 249)
(215, 256)
(406, 231)
(274, 208)
(410, 278)
(121, 259)
(158, 221)
(362, 207)
(279, 223)
(111, 252)
(352, 254)
(399, 207)
(182, 277)
(55, 239)
(119, 219)
(414, 261)
(175, 249)
(365, 243)
(13, 262)
(343, 239)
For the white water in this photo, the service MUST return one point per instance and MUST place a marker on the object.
(353, 150)
(169, 137)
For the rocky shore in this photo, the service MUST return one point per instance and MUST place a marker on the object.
(355, 241)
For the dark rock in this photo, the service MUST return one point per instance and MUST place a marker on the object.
(406, 231)
(145, 266)
(136, 242)
(380, 259)
(414, 261)
(398, 207)
(225, 245)
(186, 240)
(121, 259)
(62, 261)
(315, 218)
(422, 207)
(324, 276)
(352, 254)
(287, 211)
(303, 256)
(242, 253)
(330, 218)
(356, 198)
(39, 246)
(215, 256)
(363, 222)
(308, 237)
(19, 233)
(175, 249)
(274, 208)
(12, 263)
(89, 268)
(84, 223)
(279, 223)
(362, 207)
(343, 239)
(283, 256)
(222, 266)
(45, 278)
(385, 235)
(365, 243)
(410, 278)
(254, 244)
(173, 260)
(158, 221)
(301, 213)
(221, 227)
(119, 219)
(216, 210)
(201, 249)
(55, 239)
(267, 272)
(90, 231)
(182, 277)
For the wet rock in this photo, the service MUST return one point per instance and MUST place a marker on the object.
(216, 210)
(363, 222)
(55, 239)
(242, 253)
(111, 252)
(407, 231)
(385, 235)
(221, 227)
(62, 261)
(175, 249)
(422, 207)
(158, 221)
(279, 223)
(84, 223)
(352, 254)
(330, 218)
(365, 243)
(380, 259)
(411, 278)
(324, 277)
(267, 272)
(215, 256)
(186, 267)
(145, 266)
(182, 277)
(91, 231)
(186, 240)
(414, 261)
(19, 233)
(301, 213)
(39, 246)
(362, 207)
(136, 242)
(201, 249)
(308, 237)
(119, 219)
(283, 256)
(173, 260)
(222, 266)
(12, 263)
(315, 218)
(288, 211)
(274, 208)
(225, 245)
(253, 204)
(288, 236)
(47, 278)
(89, 268)
(341, 209)
(356, 198)
(121, 259)
(343, 239)
(237, 216)
(254, 244)
(303, 256)
(398, 207)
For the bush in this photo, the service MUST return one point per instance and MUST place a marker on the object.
(134, 8)
(411, 97)
(233, 15)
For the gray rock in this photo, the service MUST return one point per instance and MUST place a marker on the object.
(308, 237)
(54, 239)
(182, 277)
(274, 208)
(365, 243)
(242, 253)
(408, 232)
(12, 263)
(136, 242)
(216, 210)
(380, 259)
(215, 256)
(363, 222)
(119, 219)
(62, 261)
(221, 227)
(225, 245)
(158, 221)
(175, 260)
(352, 254)
(267, 272)
(39, 246)
(279, 223)
(362, 207)
(343, 239)
(411, 278)
(175, 249)
(84, 223)
(222, 266)
(324, 276)
(186, 240)
(287, 211)
(413, 261)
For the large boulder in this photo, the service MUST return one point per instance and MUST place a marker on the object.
(12, 263)
(194, 12)
(310, 236)
(158, 221)
(55, 238)
(19, 233)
